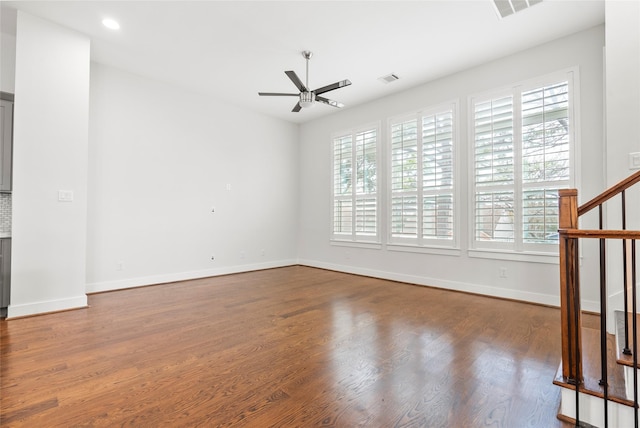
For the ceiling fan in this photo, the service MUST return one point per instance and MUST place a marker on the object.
(308, 97)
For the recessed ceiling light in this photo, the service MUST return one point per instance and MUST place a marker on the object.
(111, 24)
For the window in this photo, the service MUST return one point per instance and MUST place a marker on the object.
(355, 186)
(422, 178)
(522, 149)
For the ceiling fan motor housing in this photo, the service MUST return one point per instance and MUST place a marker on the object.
(306, 99)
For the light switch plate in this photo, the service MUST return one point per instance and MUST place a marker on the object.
(634, 160)
(65, 195)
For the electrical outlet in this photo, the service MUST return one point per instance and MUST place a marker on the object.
(502, 272)
(120, 265)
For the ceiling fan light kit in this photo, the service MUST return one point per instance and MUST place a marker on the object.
(307, 97)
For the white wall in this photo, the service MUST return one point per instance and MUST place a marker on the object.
(623, 126)
(7, 62)
(49, 154)
(623, 87)
(537, 282)
(159, 160)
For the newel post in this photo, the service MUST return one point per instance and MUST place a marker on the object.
(570, 288)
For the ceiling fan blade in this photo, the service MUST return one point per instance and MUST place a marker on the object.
(296, 108)
(276, 94)
(329, 102)
(296, 80)
(333, 86)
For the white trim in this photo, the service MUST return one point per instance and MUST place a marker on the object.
(97, 287)
(575, 135)
(348, 238)
(411, 114)
(527, 84)
(525, 296)
(524, 256)
(408, 248)
(356, 244)
(42, 307)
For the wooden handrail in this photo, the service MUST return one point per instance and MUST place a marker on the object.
(609, 193)
(599, 234)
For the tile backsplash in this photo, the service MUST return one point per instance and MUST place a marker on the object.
(5, 212)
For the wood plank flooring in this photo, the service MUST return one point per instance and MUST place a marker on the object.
(288, 347)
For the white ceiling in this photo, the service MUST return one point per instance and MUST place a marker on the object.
(233, 49)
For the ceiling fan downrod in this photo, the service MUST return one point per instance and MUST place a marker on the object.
(307, 55)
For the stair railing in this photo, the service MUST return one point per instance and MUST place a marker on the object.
(570, 234)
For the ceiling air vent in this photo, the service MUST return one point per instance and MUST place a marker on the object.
(388, 78)
(509, 7)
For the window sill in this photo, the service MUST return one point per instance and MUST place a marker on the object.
(525, 256)
(447, 251)
(356, 244)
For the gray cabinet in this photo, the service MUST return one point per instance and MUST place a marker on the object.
(6, 145)
(5, 275)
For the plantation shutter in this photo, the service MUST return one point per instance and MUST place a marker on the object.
(494, 170)
(422, 178)
(366, 188)
(404, 179)
(342, 185)
(437, 176)
(545, 159)
(522, 156)
(355, 187)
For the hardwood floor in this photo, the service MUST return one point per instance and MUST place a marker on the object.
(288, 347)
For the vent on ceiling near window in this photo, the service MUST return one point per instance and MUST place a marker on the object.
(388, 78)
(509, 7)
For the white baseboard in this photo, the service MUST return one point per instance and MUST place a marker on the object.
(34, 308)
(98, 287)
(616, 300)
(592, 410)
(526, 296)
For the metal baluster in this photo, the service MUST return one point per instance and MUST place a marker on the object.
(567, 276)
(603, 324)
(626, 349)
(635, 331)
(576, 304)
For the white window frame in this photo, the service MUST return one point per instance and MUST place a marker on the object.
(354, 238)
(518, 250)
(421, 243)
